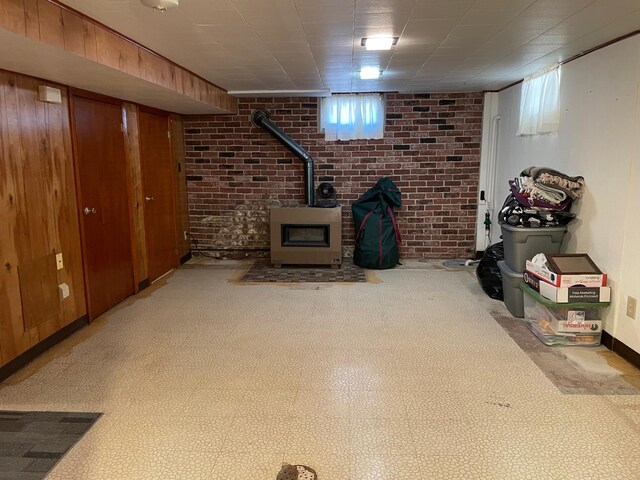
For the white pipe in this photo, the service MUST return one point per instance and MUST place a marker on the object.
(493, 160)
(490, 182)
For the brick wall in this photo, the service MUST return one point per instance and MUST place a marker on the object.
(431, 149)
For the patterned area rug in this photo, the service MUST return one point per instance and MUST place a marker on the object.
(263, 272)
(31, 443)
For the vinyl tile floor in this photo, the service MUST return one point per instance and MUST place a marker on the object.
(410, 377)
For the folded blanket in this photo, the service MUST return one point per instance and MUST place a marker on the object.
(572, 186)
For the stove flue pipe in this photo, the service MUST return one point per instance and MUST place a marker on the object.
(261, 118)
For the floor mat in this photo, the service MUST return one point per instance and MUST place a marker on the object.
(31, 443)
(263, 272)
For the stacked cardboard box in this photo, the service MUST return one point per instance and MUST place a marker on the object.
(567, 288)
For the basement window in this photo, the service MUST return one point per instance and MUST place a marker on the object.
(540, 103)
(352, 117)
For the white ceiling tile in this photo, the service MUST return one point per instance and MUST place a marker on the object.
(440, 9)
(596, 15)
(344, 27)
(393, 21)
(220, 17)
(407, 60)
(498, 4)
(360, 32)
(555, 8)
(427, 32)
(261, 44)
(384, 6)
(501, 16)
(324, 3)
(319, 14)
(450, 52)
(285, 47)
(465, 35)
(336, 40)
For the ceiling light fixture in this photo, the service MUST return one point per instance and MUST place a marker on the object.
(378, 43)
(370, 73)
(160, 5)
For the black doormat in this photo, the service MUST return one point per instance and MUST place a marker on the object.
(31, 443)
(263, 272)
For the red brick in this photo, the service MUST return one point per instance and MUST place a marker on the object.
(432, 222)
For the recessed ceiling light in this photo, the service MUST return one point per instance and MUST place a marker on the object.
(370, 73)
(378, 43)
(160, 5)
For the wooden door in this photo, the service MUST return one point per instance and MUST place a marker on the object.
(158, 188)
(104, 204)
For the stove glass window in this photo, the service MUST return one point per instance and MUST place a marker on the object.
(305, 235)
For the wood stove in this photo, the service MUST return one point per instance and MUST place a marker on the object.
(304, 235)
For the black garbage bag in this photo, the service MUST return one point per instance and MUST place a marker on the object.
(488, 272)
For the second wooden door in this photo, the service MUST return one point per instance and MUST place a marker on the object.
(158, 187)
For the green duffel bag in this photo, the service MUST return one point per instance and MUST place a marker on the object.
(377, 234)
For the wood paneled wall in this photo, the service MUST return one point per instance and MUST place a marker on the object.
(38, 213)
(179, 158)
(50, 23)
(139, 240)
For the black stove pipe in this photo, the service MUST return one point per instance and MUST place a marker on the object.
(261, 118)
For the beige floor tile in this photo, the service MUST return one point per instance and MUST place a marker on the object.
(382, 466)
(377, 404)
(372, 436)
(267, 403)
(335, 466)
(321, 403)
(204, 402)
(327, 436)
(411, 378)
(278, 377)
(253, 435)
(258, 466)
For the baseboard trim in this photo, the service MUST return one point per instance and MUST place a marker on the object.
(143, 284)
(21, 360)
(185, 258)
(616, 346)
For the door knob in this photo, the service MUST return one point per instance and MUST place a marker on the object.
(148, 199)
(87, 211)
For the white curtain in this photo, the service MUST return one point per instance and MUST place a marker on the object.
(351, 117)
(540, 103)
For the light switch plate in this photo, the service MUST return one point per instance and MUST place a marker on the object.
(63, 288)
(59, 262)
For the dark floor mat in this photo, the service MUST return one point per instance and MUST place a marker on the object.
(263, 272)
(31, 443)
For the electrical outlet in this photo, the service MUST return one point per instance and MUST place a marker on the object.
(59, 262)
(632, 303)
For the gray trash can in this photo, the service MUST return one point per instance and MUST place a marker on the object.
(513, 296)
(522, 243)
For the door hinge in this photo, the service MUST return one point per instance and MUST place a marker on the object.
(169, 134)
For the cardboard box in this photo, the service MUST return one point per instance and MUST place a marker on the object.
(566, 281)
(567, 294)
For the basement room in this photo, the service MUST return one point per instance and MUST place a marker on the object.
(319, 239)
